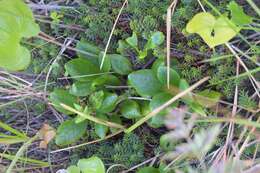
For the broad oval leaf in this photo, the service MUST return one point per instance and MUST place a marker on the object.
(82, 69)
(130, 109)
(69, 132)
(101, 130)
(59, 96)
(16, 22)
(145, 82)
(106, 79)
(156, 39)
(120, 64)
(162, 76)
(91, 165)
(107, 62)
(109, 102)
(213, 31)
(88, 51)
(81, 89)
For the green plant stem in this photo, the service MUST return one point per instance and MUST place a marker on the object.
(20, 153)
(254, 6)
(91, 118)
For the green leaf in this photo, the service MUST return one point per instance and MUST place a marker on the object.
(213, 31)
(82, 69)
(106, 79)
(196, 107)
(87, 112)
(183, 85)
(158, 63)
(148, 170)
(91, 165)
(107, 62)
(69, 132)
(16, 22)
(145, 82)
(115, 119)
(81, 89)
(59, 96)
(120, 64)
(157, 101)
(73, 169)
(109, 102)
(238, 15)
(132, 41)
(88, 51)
(142, 54)
(122, 47)
(101, 130)
(145, 107)
(157, 38)
(207, 98)
(162, 76)
(130, 109)
(96, 99)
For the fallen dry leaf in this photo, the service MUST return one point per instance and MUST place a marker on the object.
(47, 133)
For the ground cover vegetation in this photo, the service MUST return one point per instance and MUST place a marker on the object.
(159, 86)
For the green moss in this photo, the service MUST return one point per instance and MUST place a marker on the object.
(128, 151)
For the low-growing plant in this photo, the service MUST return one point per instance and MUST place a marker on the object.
(94, 94)
(13, 56)
(142, 51)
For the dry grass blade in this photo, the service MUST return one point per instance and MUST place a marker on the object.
(170, 10)
(111, 34)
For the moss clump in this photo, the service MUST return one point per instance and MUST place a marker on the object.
(129, 151)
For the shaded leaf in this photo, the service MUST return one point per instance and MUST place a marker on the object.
(145, 82)
(96, 99)
(107, 62)
(130, 109)
(88, 51)
(69, 132)
(156, 39)
(59, 96)
(120, 64)
(81, 89)
(101, 130)
(109, 102)
(162, 76)
(82, 69)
